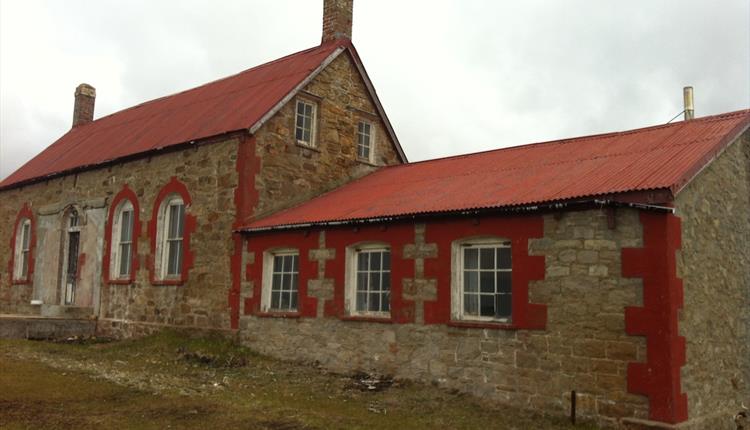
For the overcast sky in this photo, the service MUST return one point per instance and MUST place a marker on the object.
(455, 76)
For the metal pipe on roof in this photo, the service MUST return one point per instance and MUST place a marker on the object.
(687, 96)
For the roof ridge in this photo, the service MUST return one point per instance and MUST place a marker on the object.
(721, 116)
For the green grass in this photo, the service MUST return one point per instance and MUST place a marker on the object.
(171, 380)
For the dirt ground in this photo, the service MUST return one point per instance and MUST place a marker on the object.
(174, 381)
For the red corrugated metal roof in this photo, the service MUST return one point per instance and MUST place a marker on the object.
(233, 103)
(663, 157)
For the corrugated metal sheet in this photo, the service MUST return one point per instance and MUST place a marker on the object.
(233, 103)
(662, 157)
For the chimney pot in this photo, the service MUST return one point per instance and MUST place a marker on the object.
(687, 96)
(83, 109)
(337, 19)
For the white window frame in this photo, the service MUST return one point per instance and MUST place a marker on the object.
(163, 239)
(351, 271)
(22, 251)
(457, 276)
(370, 140)
(313, 122)
(116, 239)
(268, 272)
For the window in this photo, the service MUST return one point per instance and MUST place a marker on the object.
(368, 289)
(280, 281)
(482, 281)
(22, 251)
(122, 241)
(305, 123)
(364, 141)
(174, 225)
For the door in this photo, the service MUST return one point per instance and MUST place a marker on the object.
(71, 271)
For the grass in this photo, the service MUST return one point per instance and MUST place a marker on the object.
(171, 380)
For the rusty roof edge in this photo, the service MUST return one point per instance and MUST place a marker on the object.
(698, 168)
(277, 107)
(126, 158)
(526, 208)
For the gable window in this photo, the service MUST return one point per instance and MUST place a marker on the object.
(482, 281)
(22, 251)
(122, 241)
(305, 122)
(364, 141)
(281, 281)
(368, 290)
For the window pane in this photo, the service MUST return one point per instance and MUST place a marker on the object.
(288, 263)
(471, 305)
(26, 236)
(487, 258)
(504, 284)
(387, 260)
(504, 305)
(471, 282)
(174, 260)
(386, 301)
(124, 259)
(366, 153)
(277, 263)
(363, 261)
(180, 220)
(293, 296)
(126, 226)
(295, 263)
(172, 226)
(361, 281)
(275, 300)
(276, 282)
(300, 108)
(374, 281)
(471, 257)
(487, 305)
(300, 132)
(285, 300)
(386, 281)
(503, 258)
(306, 135)
(24, 265)
(487, 282)
(374, 302)
(361, 302)
(286, 282)
(361, 127)
(375, 260)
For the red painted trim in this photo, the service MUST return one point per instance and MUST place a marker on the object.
(396, 236)
(526, 268)
(124, 194)
(173, 187)
(308, 269)
(23, 214)
(659, 377)
(245, 200)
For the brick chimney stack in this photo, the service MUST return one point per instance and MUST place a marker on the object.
(83, 109)
(337, 19)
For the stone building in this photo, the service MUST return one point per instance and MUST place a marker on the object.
(278, 205)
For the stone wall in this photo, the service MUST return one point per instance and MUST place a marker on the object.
(290, 173)
(583, 346)
(209, 173)
(714, 265)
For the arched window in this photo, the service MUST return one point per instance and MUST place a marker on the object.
(22, 250)
(122, 250)
(72, 222)
(122, 232)
(170, 228)
(482, 280)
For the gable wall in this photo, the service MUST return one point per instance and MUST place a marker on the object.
(714, 265)
(290, 173)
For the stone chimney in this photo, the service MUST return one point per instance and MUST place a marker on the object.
(83, 109)
(337, 19)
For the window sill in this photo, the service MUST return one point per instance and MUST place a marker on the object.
(121, 281)
(483, 324)
(306, 146)
(366, 162)
(20, 282)
(367, 318)
(168, 282)
(283, 315)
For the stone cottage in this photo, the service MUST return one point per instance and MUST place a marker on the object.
(278, 205)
